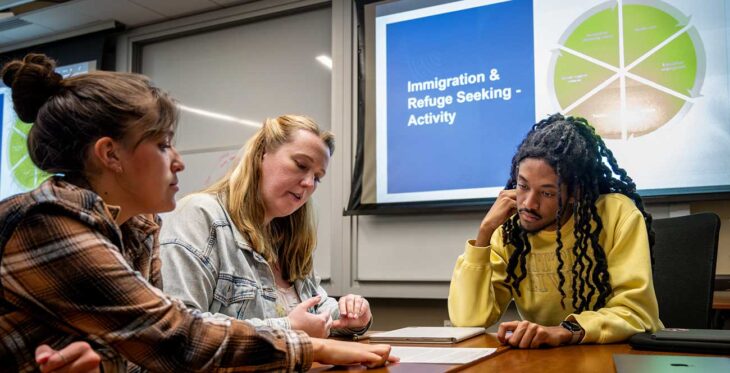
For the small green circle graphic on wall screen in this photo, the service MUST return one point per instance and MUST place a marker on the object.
(25, 173)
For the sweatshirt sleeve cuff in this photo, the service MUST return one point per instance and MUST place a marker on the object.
(476, 255)
(592, 333)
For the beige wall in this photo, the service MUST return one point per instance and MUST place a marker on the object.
(393, 313)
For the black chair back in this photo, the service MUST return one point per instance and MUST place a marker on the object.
(685, 253)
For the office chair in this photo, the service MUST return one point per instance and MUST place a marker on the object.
(685, 253)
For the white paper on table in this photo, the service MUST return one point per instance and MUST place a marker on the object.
(440, 355)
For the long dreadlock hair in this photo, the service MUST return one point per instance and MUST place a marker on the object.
(578, 156)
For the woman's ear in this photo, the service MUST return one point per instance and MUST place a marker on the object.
(106, 152)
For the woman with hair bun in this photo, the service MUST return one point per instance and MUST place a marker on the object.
(80, 252)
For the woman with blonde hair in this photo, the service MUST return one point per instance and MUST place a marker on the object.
(79, 254)
(243, 247)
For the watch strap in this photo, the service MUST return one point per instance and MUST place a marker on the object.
(575, 329)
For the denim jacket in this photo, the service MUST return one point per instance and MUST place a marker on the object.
(209, 265)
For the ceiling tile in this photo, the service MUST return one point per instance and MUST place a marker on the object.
(126, 12)
(132, 13)
(173, 9)
(71, 15)
(25, 33)
(4, 41)
(60, 18)
(227, 3)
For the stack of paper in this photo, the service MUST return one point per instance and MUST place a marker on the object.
(426, 334)
(440, 355)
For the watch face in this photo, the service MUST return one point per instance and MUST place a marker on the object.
(572, 326)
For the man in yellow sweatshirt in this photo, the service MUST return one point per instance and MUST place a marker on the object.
(568, 241)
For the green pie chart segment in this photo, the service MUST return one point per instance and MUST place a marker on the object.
(646, 27)
(662, 73)
(597, 37)
(575, 77)
(673, 66)
(25, 173)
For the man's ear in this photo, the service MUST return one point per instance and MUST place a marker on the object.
(106, 151)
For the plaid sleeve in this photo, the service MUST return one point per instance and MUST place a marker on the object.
(73, 278)
(156, 264)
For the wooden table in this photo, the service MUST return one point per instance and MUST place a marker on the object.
(566, 359)
(721, 300)
(580, 358)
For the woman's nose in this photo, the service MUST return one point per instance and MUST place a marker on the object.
(177, 163)
(309, 181)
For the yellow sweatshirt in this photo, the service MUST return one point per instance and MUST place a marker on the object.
(479, 295)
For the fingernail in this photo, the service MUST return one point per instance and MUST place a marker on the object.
(42, 358)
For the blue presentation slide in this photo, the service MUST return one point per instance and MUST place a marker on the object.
(459, 84)
(455, 87)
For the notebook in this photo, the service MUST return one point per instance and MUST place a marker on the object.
(666, 363)
(426, 334)
(701, 335)
(440, 355)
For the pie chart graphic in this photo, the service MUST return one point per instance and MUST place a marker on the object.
(25, 173)
(628, 67)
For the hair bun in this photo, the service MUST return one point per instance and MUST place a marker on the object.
(33, 81)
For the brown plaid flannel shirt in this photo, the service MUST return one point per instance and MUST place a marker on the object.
(68, 273)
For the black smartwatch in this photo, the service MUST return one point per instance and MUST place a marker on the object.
(575, 329)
